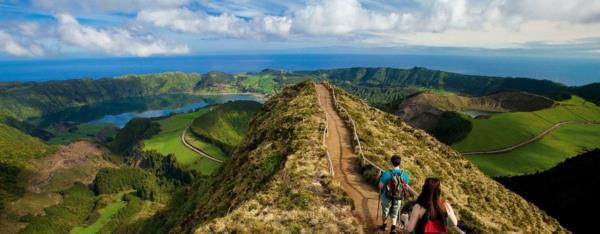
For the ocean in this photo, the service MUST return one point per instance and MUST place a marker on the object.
(569, 71)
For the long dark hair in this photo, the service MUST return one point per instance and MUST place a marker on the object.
(430, 198)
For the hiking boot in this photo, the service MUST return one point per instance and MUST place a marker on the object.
(393, 230)
(382, 227)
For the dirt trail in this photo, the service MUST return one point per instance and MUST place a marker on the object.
(345, 166)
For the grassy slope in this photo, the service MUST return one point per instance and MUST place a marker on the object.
(563, 143)
(505, 129)
(209, 148)
(483, 204)
(78, 202)
(168, 141)
(277, 182)
(16, 149)
(226, 124)
(106, 213)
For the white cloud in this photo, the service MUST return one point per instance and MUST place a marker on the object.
(335, 17)
(113, 41)
(225, 24)
(11, 46)
(460, 23)
(293, 23)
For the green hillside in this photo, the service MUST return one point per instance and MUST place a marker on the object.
(78, 202)
(168, 141)
(564, 142)
(16, 149)
(506, 129)
(426, 78)
(30, 100)
(226, 124)
(483, 204)
(265, 82)
(105, 214)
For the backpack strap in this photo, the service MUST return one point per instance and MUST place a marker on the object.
(401, 179)
(403, 184)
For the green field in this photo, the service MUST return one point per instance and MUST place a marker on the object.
(168, 141)
(506, 129)
(564, 142)
(16, 149)
(106, 214)
(89, 131)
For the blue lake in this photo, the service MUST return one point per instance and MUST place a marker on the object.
(570, 71)
(121, 119)
(119, 112)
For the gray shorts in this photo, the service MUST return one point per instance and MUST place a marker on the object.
(390, 208)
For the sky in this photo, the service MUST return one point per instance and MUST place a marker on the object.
(33, 29)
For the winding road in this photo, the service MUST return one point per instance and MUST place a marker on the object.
(339, 145)
(193, 148)
(531, 140)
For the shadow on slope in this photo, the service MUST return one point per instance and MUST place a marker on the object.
(564, 191)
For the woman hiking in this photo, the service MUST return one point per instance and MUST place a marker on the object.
(431, 213)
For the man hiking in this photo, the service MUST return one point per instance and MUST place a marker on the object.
(393, 185)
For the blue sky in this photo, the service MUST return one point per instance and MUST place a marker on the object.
(144, 28)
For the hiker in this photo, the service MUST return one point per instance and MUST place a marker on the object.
(393, 186)
(431, 213)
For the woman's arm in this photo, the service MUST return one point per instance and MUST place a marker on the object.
(451, 215)
(417, 212)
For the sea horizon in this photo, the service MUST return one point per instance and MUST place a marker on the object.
(568, 71)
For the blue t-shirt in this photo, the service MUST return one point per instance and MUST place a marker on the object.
(387, 176)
